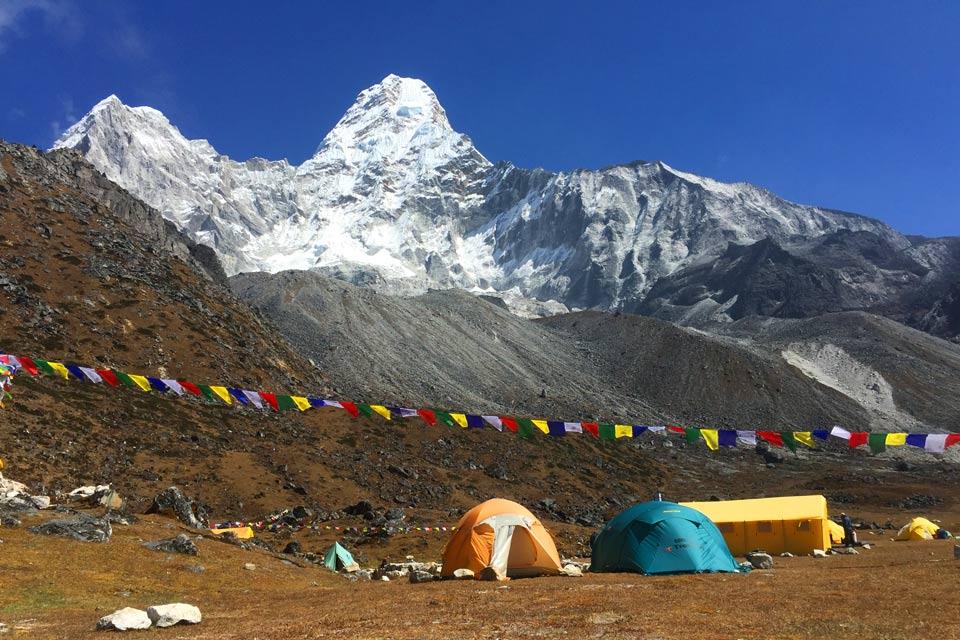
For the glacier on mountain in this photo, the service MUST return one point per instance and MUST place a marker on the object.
(395, 198)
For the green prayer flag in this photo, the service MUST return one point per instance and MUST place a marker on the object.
(365, 410)
(126, 380)
(877, 442)
(286, 403)
(788, 440)
(692, 435)
(445, 418)
(44, 366)
(204, 389)
(526, 428)
(607, 431)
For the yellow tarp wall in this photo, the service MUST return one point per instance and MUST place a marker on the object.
(797, 524)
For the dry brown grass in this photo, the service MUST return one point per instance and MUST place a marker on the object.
(51, 588)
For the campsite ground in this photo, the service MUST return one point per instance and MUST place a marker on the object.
(53, 588)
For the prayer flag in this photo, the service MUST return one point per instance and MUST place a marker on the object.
(285, 403)
(557, 429)
(510, 423)
(238, 394)
(44, 366)
(896, 439)
(840, 432)
(788, 440)
(76, 372)
(124, 378)
(804, 438)
(495, 422)
(691, 435)
(772, 437)
(623, 430)
(254, 398)
(460, 419)
(572, 427)
(607, 432)
(428, 416)
(173, 385)
(222, 393)
(446, 418)
(60, 370)
(91, 375)
(877, 442)
(270, 399)
(29, 365)
(379, 408)
(936, 442)
(727, 438)
(593, 428)
(541, 425)
(917, 440)
(821, 434)
(474, 422)
(157, 384)
(527, 428)
(189, 386)
(952, 439)
(858, 438)
(711, 437)
(637, 430)
(319, 402)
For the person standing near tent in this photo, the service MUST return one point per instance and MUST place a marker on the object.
(849, 535)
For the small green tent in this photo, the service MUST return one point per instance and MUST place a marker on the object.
(661, 537)
(337, 558)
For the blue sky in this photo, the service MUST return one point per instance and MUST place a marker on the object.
(850, 105)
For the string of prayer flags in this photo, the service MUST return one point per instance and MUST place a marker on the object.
(527, 428)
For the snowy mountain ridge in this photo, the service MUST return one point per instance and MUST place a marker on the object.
(394, 197)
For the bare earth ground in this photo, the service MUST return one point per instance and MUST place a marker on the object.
(53, 588)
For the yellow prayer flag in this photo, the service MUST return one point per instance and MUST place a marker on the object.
(140, 381)
(622, 431)
(382, 410)
(221, 392)
(542, 425)
(804, 437)
(711, 437)
(302, 403)
(59, 368)
(460, 419)
(896, 439)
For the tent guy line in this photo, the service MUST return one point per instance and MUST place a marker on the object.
(714, 439)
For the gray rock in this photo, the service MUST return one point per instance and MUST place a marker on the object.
(489, 574)
(124, 619)
(844, 551)
(759, 560)
(786, 554)
(82, 527)
(167, 615)
(196, 568)
(172, 501)
(180, 544)
(417, 577)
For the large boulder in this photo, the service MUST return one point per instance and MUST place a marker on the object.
(760, 560)
(167, 615)
(125, 619)
(82, 527)
(172, 501)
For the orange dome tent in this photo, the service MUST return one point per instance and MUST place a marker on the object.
(504, 536)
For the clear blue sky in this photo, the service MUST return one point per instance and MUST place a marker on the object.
(851, 105)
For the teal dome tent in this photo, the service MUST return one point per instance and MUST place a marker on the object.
(661, 537)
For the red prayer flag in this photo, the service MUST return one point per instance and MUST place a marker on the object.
(593, 428)
(351, 408)
(109, 377)
(952, 439)
(858, 438)
(428, 416)
(190, 387)
(270, 399)
(773, 437)
(28, 364)
(676, 429)
(509, 423)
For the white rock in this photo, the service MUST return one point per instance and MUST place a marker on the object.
(250, 566)
(384, 579)
(571, 570)
(819, 553)
(82, 493)
(11, 486)
(845, 551)
(167, 615)
(463, 574)
(42, 502)
(125, 619)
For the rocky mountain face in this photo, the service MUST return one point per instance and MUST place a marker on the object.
(840, 271)
(394, 197)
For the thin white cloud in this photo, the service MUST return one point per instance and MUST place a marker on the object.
(67, 118)
(60, 18)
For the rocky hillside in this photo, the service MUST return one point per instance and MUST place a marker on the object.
(450, 347)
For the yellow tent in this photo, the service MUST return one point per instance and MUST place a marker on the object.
(504, 536)
(242, 533)
(918, 529)
(836, 532)
(798, 524)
